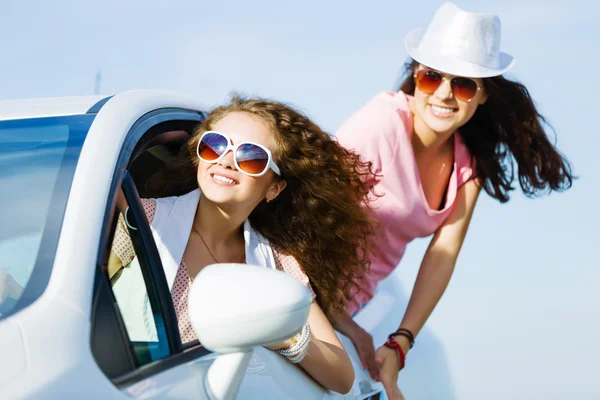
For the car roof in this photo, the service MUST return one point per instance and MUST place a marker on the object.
(62, 106)
(50, 107)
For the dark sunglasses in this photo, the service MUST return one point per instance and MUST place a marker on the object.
(464, 89)
(249, 158)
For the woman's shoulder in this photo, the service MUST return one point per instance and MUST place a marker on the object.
(386, 115)
(397, 99)
(149, 206)
(390, 102)
(148, 203)
(191, 196)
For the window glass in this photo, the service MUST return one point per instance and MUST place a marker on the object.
(37, 161)
(128, 273)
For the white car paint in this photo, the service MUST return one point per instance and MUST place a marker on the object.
(46, 347)
(47, 107)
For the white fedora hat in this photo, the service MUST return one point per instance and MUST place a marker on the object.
(460, 43)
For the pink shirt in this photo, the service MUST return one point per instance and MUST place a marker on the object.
(380, 132)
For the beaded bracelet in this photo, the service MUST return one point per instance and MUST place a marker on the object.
(298, 342)
(299, 348)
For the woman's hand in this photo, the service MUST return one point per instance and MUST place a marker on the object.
(361, 339)
(389, 365)
(363, 342)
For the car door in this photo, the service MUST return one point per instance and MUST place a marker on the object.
(141, 358)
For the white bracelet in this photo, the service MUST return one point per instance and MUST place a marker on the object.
(297, 347)
(301, 339)
(296, 359)
(127, 220)
(298, 350)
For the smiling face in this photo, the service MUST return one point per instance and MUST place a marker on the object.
(222, 183)
(441, 111)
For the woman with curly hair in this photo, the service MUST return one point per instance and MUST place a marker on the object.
(260, 178)
(454, 127)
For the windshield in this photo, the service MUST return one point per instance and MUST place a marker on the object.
(37, 162)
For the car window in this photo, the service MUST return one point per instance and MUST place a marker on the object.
(134, 292)
(37, 161)
(132, 312)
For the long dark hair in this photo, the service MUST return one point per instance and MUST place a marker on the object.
(319, 218)
(507, 128)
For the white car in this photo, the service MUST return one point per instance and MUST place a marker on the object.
(63, 162)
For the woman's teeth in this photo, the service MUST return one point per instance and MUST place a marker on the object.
(442, 110)
(224, 179)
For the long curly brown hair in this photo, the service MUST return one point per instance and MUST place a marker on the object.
(507, 130)
(321, 217)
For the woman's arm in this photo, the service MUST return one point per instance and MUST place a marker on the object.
(362, 340)
(439, 260)
(434, 274)
(326, 361)
(122, 251)
(115, 261)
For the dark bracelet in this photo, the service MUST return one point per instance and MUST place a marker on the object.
(393, 335)
(406, 333)
(411, 336)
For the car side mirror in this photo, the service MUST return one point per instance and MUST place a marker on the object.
(236, 307)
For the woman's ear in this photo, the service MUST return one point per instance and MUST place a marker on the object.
(274, 190)
(484, 97)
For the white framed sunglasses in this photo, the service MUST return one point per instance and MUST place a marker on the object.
(250, 158)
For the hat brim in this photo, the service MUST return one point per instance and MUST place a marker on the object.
(452, 65)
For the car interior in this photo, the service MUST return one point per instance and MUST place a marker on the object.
(154, 151)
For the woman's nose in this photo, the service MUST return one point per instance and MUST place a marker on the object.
(444, 91)
(227, 160)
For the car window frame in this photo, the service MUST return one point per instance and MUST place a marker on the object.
(136, 140)
(146, 252)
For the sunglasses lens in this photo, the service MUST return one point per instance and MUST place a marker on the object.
(211, 146)
(252, 159)
(428, 81)
(464, 88)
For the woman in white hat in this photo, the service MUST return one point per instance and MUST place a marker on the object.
(454, 127)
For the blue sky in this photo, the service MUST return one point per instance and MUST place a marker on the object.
(525, 289)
